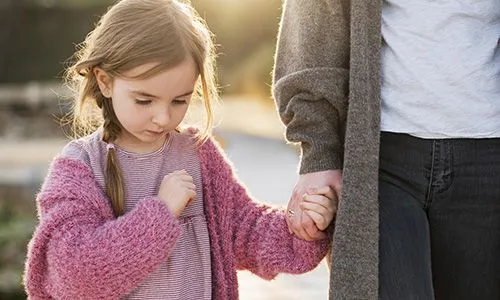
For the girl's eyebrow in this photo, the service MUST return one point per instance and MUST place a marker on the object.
(148, 95)
(185, 94)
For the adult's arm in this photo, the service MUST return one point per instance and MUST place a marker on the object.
(311, 77)
(310, 87)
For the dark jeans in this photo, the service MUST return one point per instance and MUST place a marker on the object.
(439, 218)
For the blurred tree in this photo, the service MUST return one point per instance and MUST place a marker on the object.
(67, 3)
(42, 35)
(41, 39)
(7, 16)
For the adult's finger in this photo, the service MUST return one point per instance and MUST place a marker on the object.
(295, 220)
(289, 214)
(298, 226)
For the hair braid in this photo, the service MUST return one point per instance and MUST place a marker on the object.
(114, 179)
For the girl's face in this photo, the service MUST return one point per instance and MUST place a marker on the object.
(148, 109)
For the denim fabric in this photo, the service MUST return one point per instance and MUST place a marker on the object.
(439, 218)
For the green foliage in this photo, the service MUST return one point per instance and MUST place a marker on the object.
(17, 221)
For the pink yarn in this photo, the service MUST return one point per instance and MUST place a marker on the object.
(80, 251)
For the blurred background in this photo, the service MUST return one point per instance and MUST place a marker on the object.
(37, 38)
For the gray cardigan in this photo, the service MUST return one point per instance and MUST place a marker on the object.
(327, 90)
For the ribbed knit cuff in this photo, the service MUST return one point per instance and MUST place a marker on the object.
(315, 158)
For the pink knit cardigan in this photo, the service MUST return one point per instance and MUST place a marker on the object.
(81, 251)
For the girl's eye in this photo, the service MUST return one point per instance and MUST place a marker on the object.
(142, 102)
(179, 101)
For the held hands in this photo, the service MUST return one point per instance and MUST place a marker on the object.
(177, 189)
(320, 205)
(302, 223)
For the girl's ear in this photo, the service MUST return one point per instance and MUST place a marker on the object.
(104, 81)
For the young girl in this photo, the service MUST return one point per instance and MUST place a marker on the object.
(137, 208)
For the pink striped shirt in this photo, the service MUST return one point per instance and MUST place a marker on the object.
(186, 274)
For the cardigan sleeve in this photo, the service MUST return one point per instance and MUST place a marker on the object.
(261, 241)
(311, 78)
(80, 251)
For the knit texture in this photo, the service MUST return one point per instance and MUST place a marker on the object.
(80, 251)
(186, 274)
(327, 91)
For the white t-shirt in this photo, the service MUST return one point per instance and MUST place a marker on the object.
(441, 68)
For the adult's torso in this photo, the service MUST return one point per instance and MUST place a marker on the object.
(441, 68)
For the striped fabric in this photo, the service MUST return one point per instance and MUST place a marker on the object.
(187, 272)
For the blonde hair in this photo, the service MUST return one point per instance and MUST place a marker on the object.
(130, 34)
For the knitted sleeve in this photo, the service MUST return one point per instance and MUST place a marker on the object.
(80, 251)
(261, 241)
(311, 79)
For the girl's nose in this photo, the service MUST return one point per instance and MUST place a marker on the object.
(161, 118)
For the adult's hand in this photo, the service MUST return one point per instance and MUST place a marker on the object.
(300, 223)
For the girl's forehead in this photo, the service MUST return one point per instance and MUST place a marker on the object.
(186, 66)
(181, 77)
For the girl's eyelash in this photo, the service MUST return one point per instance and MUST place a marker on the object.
(147, 102)
(143, 102)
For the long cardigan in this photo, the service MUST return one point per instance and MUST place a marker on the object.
(81, 251)
(327, 90)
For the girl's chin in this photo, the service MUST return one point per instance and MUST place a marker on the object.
(156, 138)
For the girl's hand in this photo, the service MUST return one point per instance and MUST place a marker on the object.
(177, 189)
(321, 205)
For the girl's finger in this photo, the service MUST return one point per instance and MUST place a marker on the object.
(326, 191)
(320, 221)
(188, 185)
(328, 204)
(318, 208)
(192, 195)
(319, 199)
(184, 177)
